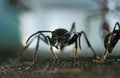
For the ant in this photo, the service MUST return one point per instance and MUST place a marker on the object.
(108, 9)
(110, 41)
(59, 39)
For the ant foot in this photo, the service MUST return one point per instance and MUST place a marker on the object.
(56, 61)
(99, 59)
(76, 61)
(30, 62)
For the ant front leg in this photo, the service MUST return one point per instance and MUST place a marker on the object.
(71, 41)
(51, 48)
(54, 54)
(75, 52)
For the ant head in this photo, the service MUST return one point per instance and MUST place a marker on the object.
(60, 37)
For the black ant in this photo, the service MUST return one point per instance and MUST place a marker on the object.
(110, 41)
(59, 39)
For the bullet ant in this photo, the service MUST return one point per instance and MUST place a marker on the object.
(59, 39)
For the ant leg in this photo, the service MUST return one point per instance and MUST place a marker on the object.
(44, 39)
(37, 46)
(117, 24)
(105, 55)
(36, 51)
(89, 45)
(54, 54)
(28, 42)
(101, 59)
(75, 52)
(73, 29)
(38, 32)
(22, 51)
(71, 41)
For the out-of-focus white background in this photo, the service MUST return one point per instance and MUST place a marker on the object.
(21, 18)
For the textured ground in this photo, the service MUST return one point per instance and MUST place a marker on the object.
(64, 69)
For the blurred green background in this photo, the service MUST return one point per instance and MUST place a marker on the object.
(9, 30)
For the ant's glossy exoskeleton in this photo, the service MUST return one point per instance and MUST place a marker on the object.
(110, 41)
(59, 39)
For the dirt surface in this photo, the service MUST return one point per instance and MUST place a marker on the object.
(86, 68)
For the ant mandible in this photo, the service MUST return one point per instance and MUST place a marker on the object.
(110, 41)
(59, 39)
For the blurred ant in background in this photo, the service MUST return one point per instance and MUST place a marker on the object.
(110, 41)
(20, 4)
(106, 7)
(104, 29)
(60, 38)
